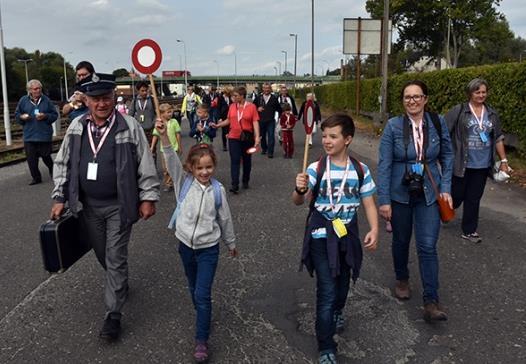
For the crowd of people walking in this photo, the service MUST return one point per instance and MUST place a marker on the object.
(105, 173)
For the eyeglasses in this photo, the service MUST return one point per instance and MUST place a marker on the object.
(415, 98)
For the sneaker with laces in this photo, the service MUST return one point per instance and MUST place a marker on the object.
(327, 358)
(473, 237)
(201, 352)
(339, 321)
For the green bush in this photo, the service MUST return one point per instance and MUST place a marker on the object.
(507, 93)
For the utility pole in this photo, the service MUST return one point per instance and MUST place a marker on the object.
(385, 47)
(7, 121)
(295, 55)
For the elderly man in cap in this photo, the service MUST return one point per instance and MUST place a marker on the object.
(105, 172)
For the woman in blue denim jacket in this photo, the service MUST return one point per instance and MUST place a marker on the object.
(406, 195)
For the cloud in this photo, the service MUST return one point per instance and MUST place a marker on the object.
(150, 20)
(152, 5)
(99, 4)
(226, 50)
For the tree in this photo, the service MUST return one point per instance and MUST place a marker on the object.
(121, 72)
(437, 28)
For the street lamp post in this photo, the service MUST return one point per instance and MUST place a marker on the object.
(285, 53)
(65, 80)
(61, 92)
(7, 121)
(235, 66)
(185, 65)
(26, 61)
(312, 46)
(279, 66)
(217, 64)
(295, 55)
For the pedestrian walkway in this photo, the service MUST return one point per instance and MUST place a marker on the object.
(263, 308)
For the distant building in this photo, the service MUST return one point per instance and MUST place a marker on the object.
(427, 64)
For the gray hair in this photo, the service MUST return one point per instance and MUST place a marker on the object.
(474, 85)
(311, 94)
(33, 82)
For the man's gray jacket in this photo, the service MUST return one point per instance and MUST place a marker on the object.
(137, 178)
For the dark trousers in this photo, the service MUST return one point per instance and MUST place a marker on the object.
(267, 130)
(191, 118)
(238, 153)
(200, 268)
(35, 150)
(469, 190)
(425, 220)
(331, 293)
(288, 142)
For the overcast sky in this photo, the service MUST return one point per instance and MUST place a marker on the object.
(104, 31)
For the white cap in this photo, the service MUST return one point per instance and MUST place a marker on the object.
(120, 99)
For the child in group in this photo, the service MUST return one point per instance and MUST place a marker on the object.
(173, 131)
(121, 106)
(336, 184)
(201, 220)
(201, 129)
(287, 121)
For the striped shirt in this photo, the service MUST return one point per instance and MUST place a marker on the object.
(346, 208)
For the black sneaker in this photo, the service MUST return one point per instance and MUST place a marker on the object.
(263, 152)
(111, 329)
(473, 237)
(245, 185)
(35, 182)
(270, 155)
(234, 189)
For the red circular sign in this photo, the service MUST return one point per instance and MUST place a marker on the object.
(146, 56)
(308, 116)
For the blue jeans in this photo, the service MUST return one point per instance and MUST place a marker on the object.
(200, 267)
(426, 223)
(238, 152)
(331, 293)
(267, 130)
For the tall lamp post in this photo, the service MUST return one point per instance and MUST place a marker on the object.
(61, 92)
(7, 122)
(279, 66)
(65, 79)
(295, 55)
(312, 47)
(285, 53)
(217, 64)
(185, 69)
(26, 61)
(235, 66)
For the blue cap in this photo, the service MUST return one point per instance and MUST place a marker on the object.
(97, 84)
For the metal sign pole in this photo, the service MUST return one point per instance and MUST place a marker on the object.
(358, 63)
(385, 55)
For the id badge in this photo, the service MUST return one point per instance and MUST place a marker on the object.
(92, 171)
(483, 136)
(339, 227)
(142, 118)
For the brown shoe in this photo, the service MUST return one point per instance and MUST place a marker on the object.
(434, 312)
(402, 290)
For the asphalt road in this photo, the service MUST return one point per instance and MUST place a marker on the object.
(263, 308)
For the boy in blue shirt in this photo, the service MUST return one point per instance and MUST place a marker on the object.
(336, 184)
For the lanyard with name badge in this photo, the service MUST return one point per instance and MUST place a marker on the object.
(337, 224)
(240, 115)
(92, 166)
(483, 135)
(418, 139)
(142, 108)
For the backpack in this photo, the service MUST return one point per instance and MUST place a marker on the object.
(218, 200)
(320, 170)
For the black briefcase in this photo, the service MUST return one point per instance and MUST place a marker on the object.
(62, 243)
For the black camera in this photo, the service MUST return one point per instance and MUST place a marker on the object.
(414, 183)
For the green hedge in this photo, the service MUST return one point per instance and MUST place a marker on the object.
(507, 93)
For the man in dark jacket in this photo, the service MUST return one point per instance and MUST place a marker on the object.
(267, 105)
(142, 109)
(105, 172)
(35, 112)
